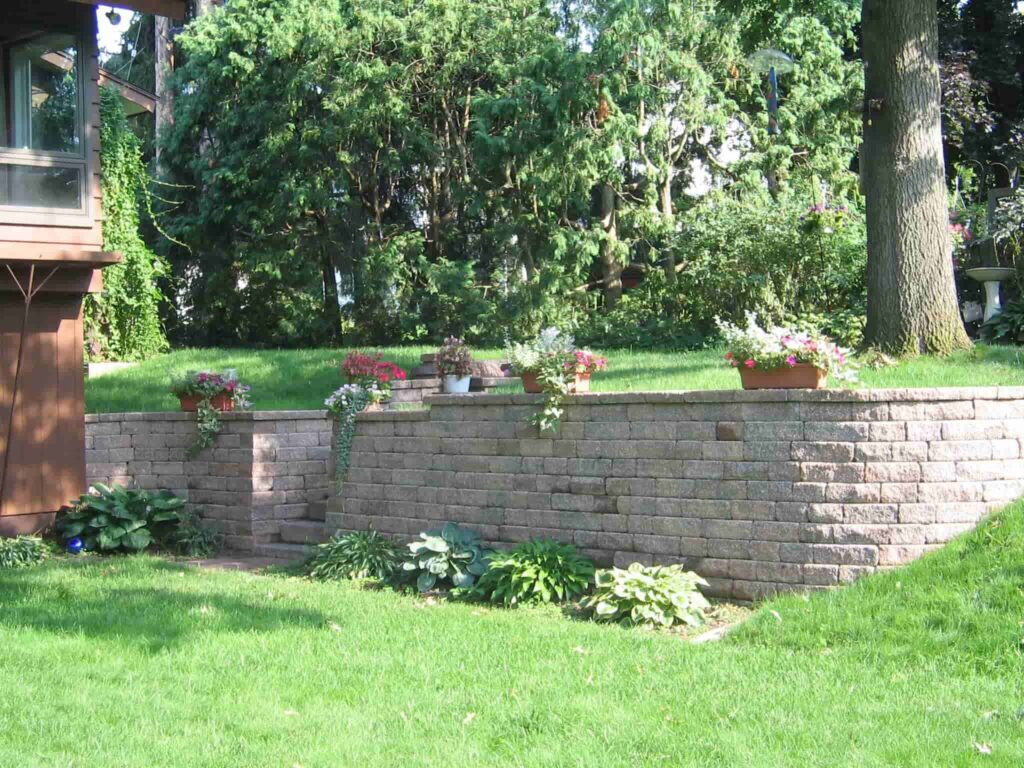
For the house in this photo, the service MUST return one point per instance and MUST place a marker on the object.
(51, 251)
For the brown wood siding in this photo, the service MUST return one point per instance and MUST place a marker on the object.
(48, 239)
(46, 469)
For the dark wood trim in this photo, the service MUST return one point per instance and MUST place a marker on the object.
(172, 9)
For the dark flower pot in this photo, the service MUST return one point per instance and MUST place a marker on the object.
(221, 402)
(799, 376)
(532, 386)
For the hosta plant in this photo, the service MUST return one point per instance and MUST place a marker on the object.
(116, 519)
(538, 571)
(22, 551)
(654, 596)
(357, 555)
(452, 556)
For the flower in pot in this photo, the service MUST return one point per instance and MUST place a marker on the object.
(783, 358)
(552, 365)
(221, 391)
(455, 364)
(344, 404)
(372, 371)
(583, 365)
(208, 395)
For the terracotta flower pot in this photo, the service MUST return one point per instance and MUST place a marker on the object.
(799, 376)
(532, 386)
(221, 402)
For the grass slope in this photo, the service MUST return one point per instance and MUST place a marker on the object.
(301, 379)
(137, 662)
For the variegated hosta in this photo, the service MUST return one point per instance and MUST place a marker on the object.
(452, 556)
(656, 596)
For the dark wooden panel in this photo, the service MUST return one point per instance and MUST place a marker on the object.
(46, 468)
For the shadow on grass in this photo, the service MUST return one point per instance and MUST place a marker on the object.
(153, 618)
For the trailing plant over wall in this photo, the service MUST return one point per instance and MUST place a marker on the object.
(123, 322)
(344, 404)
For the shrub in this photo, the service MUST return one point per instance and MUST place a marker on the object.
(541, 571)
(193, 539)
(358, 555)
(450, 556)
(1007, 326)
(656, 596)
(118, 519)
(22, 551)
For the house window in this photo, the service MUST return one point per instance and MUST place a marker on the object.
(42, 150)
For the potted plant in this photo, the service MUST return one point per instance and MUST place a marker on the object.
(783, 358)
(372, 371)
(220, 391)
(208, 395)
(455, 365)
(583, 365)
(553, 356)
(552, 365)
(344, 405)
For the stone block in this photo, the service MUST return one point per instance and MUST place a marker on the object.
(830, 452)
(836, 432)
(832, 472)
(852, 554)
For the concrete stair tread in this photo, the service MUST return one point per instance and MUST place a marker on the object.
(289, 553)
(303, 532)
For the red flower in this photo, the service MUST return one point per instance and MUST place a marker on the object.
(728, 356)
(750, 364)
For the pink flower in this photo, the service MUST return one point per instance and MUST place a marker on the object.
(791, 361)
(728, 355)
(750, 364)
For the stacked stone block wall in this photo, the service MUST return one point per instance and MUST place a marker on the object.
(759, 492)
(265, 467)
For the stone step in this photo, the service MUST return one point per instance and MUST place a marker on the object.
(289, 553)
(317, 510)
(303, 532)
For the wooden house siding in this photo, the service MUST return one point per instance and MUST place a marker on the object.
(52, 234)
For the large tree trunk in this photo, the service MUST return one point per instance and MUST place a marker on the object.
(912, 304)
(332, 309)
(164, 94)
(610, 263)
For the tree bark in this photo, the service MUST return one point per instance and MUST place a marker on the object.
(332, 309)
(610, 263)
(912, 303)
(665, 199)
(164, 95)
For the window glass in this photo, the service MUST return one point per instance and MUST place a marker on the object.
(31, 186)
(42, 98)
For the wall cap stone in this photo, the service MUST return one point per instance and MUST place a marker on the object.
(935, 394)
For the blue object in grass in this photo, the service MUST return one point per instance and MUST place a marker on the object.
(75, 546)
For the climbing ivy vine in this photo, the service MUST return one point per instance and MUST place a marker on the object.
(123, 322)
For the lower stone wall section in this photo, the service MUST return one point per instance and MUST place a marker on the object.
(265, 467)
(759, 492)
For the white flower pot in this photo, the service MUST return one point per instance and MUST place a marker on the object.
(456, 385)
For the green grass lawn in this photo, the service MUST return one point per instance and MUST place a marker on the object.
(301, 379)
(139, 662)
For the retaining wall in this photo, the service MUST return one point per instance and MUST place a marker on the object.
(265, 468)
(757, 491)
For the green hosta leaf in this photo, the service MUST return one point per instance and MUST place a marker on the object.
(110, 537)
(463, 579)
(99, 521)
(425, 581)
(436, 544)
(138, 540)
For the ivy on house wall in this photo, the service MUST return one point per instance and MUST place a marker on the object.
(123, 322)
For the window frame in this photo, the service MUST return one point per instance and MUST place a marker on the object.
(45, 215)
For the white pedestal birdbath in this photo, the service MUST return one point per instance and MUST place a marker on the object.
(991, 277)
